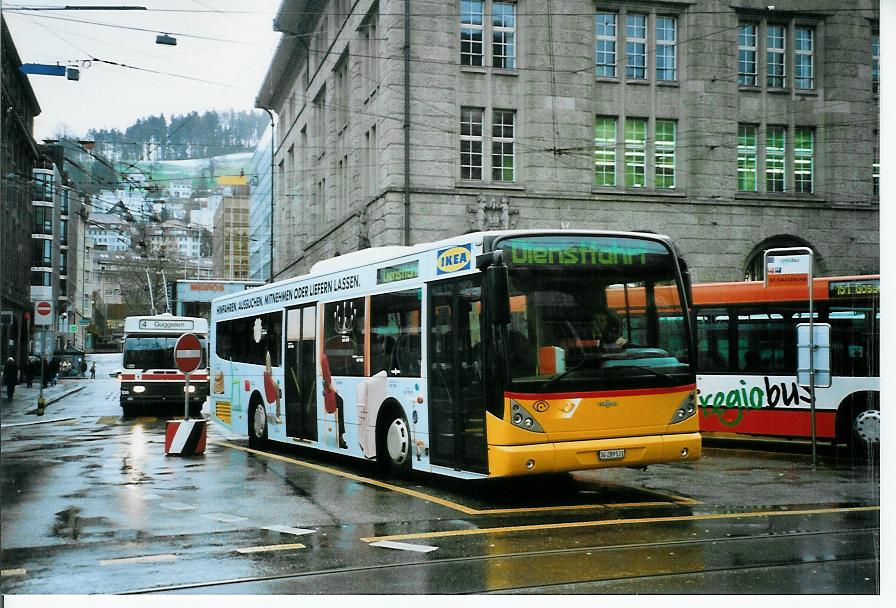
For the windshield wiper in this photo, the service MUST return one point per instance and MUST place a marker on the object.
(563, 374)
(651, 370)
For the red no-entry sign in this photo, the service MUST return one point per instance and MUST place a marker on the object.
(43, 313)
(187, 353)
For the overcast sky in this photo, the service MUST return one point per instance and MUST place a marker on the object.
(197, 74)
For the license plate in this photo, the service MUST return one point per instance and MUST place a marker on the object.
(611, 454)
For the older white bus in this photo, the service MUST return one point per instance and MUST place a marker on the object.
(471, 357)
(149, 376)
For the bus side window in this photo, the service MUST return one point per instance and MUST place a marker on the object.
(395, 333)
(712, 340)
(344, 336)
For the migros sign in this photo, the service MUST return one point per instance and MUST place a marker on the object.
(454, 259)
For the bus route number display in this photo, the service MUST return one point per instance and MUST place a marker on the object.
(854, 289)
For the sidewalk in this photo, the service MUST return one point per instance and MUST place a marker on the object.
(23, 406)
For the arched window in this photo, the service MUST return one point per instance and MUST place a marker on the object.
(753, 270)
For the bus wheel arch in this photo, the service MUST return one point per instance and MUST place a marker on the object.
(257, 421)
(394, 447)
(858, 420)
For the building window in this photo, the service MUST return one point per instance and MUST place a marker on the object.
(370, 61)
(803, 160)
(43, 220)
(804, 58)
(635, 148)
(775, 149)
(41, 279)
(504, 35)
(775, 52)
(666, 38)
(471, 32)
(875, 63)
(746, 158)
(605, 44)
(471, 143)
(664, 154)
(636, 46)
(341, 108)
(501, 29)
(42, 253)
(503, 145)
(875, 166)
(746, 55)
(605, 151)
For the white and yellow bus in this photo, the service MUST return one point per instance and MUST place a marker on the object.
(489, 354)
(149, 376)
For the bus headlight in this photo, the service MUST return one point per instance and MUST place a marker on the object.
(139, 388)
(687, 409)
(522, 419)
(192, 388)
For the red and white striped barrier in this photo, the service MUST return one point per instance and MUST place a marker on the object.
(185, 437)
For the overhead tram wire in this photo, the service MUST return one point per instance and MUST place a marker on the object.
(40, 8)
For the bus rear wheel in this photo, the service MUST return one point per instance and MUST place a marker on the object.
(393, 450)
(866, 432)
(258, 425)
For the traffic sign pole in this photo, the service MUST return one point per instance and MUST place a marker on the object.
(187, 397)
(186, 437)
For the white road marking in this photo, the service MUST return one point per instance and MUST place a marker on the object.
(143, 559)
(288, 530)
(47, 421)
(224, 517)
(390, 544)
(176, 506)
(264, 548)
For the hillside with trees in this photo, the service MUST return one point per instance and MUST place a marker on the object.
(181, 137)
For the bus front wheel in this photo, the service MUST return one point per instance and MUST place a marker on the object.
(393, 450)
(258, 425)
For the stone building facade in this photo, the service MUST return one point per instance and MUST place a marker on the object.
(18, 156)
(731, 127)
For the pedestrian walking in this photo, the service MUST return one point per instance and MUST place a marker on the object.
(32, 368)
(83, 367)
(10, 376)
(45, 373)
(54, 369)
(93, 371)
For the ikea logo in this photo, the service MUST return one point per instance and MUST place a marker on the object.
(454, 259)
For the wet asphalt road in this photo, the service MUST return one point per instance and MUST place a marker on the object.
(90, 504)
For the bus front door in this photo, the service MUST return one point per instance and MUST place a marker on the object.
(456, 412)
(301, 398)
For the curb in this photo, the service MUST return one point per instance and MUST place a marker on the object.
(57, 398)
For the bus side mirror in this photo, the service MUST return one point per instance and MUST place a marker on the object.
(497, 294)
(686, 278)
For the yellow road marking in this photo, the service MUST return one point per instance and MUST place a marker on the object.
(143, 559)
(13, 572)
(614, 522)
(451, 504)
(358, 478)
(264, 548)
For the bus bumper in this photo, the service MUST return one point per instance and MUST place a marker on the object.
(509, 460)
(157, 395)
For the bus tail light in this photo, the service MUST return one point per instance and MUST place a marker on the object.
(687, 409)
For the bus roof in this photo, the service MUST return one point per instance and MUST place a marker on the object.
(746, 292)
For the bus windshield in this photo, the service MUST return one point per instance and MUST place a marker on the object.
(153, 352)
(594, 314)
